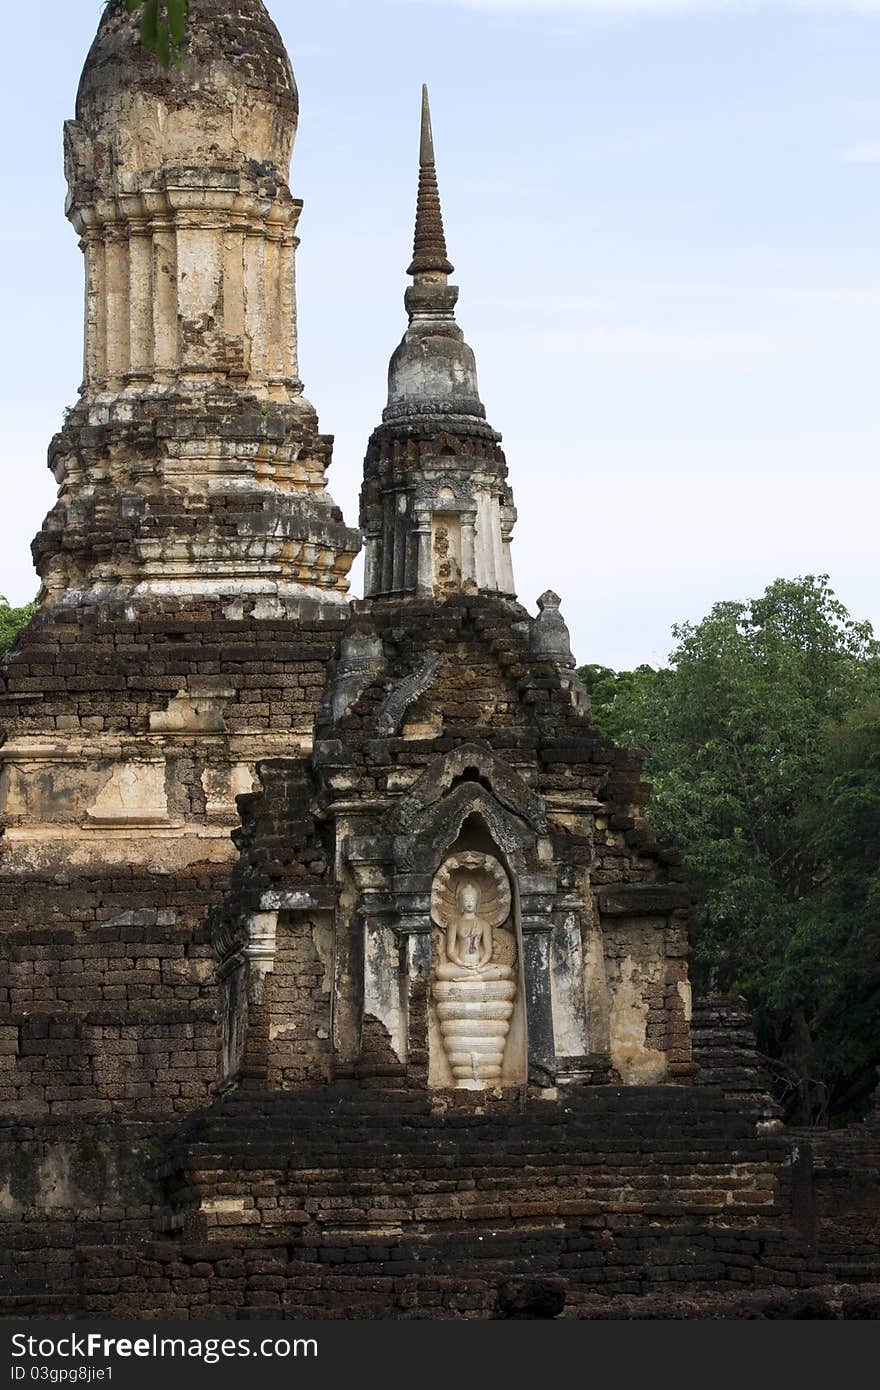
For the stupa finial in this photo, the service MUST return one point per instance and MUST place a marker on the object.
(430, 261)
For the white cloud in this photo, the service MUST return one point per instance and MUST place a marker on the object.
(612, 8)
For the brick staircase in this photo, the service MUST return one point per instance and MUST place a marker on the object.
(358, 1201)
(617, 1187)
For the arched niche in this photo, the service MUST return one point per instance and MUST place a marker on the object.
(465, 788)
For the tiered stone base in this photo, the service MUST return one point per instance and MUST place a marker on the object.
(347, 1201)
(168, 1281)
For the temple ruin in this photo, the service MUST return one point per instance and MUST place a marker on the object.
(344, 975)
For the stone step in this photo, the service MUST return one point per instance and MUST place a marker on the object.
(290, 1155)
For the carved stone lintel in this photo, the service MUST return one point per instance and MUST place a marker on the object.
(509, 790)
(298, 900)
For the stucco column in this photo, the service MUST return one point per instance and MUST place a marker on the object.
(255, 300)
(425, 577)
(468, 547)
(288, 304)
(384, 582)
(95, 347)
(536, 899)
(116, 299)
(372, 563)
(347, 1019)
(416, 933)
(233, 291)
(539, 1004)
(140, 290)
(166, 345)
(508, 583)
(275, 301)
(398, 541)
(249, 999)
(497, 546)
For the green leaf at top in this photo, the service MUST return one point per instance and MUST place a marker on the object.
(177, 11)
(150, 25)
(163, 44)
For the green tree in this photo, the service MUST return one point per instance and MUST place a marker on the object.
(762, 740)
(609, 691)
(12, 620)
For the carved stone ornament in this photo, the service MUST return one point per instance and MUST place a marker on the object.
(474, 975)
(405, 693)
(550, 636)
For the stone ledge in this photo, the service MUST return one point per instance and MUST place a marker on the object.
(644, 900)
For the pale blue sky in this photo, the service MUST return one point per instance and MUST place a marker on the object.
(665, 218)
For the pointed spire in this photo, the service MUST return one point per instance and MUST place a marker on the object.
(429, 249)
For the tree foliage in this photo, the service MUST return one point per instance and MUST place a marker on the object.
(163, 26)
(12, 620)
(762, 741)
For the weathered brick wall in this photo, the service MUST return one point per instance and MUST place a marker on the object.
(113, 1013)
(109, 993)
(315, 1164)
(64, 1181)
(844, 1201)
(377, 1202)
(69, 667)
(726, 1055)
(299, 1005)
(238, 1281)
(244, 1283)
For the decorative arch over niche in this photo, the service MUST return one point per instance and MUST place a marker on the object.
(468, 801)
(468, 770)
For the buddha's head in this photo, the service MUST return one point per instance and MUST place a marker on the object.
(467, 897)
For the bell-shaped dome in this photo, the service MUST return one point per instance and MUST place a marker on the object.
(232, 104)
(433, 372)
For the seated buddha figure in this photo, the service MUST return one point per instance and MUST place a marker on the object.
(469, 939)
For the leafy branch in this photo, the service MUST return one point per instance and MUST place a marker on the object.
(12, 620)
(163, 27)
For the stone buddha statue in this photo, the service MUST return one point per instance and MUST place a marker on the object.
(474, 978)
(469, 940)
